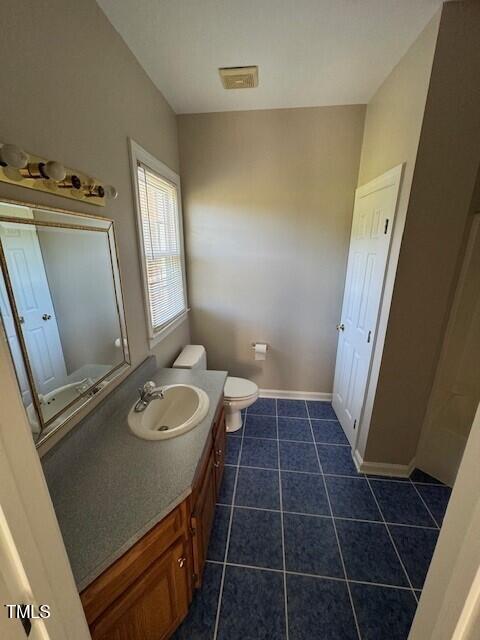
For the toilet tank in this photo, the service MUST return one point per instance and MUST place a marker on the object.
(193, 356)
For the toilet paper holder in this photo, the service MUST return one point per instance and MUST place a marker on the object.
(260, 350)
(253, 344)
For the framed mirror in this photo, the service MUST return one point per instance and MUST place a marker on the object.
(61, 308)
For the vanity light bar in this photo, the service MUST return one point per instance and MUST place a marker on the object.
(34, 172)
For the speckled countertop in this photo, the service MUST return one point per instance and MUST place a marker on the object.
(109, 487)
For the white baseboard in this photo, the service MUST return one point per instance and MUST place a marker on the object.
(295, 395)
(381, 468)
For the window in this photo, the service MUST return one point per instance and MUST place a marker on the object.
(161, 241)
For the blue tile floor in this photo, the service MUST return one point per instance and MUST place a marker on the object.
(303, 546)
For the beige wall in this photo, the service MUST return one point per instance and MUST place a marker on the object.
(393, 124)
(71, 90)
(437, 221)
(268, 199)
(395, 113)
(456, 389)
(79, 273)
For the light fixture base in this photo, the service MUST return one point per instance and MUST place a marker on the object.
(42, 174)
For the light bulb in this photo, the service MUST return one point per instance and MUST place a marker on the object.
(13, 156)
(54, 170)
(110, 192)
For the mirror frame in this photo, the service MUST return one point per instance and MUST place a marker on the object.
(94, 223)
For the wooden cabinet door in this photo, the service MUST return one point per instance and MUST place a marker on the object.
(153, 606)
(219, 447)
(202, 518)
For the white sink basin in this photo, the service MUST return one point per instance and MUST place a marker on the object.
(182, 408)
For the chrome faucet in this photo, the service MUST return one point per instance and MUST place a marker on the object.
(147, 393)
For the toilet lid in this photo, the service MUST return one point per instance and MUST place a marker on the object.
(239, 388)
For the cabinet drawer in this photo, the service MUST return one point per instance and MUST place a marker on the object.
(117, 578)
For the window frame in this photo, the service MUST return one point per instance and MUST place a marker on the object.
(138, 155)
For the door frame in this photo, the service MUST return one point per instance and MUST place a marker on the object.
(449, 607)
(30, 539)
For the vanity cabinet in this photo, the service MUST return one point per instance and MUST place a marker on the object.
(145, 594)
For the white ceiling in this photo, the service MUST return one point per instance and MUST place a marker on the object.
(309, 52)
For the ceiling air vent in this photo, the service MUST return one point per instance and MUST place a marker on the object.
(239, 77)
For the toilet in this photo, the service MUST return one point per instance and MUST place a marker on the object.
(239, 393)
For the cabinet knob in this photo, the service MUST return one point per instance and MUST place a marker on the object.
(219, 452)
(181, 561)
(216, 465)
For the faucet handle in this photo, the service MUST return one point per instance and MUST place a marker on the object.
(149, 387)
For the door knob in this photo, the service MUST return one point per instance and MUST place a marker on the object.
(46, 317)
(340, 327)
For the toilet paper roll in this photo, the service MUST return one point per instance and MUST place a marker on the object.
(260, 349)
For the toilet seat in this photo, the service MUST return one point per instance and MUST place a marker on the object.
(239, 388)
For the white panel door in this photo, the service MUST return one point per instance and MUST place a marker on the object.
(34, 305)
(372, 224)
(14, 344)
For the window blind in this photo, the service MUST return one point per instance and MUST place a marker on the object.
(162, 247)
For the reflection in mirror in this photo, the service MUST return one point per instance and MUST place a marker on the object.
(60, 303)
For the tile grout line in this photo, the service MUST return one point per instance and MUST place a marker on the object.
(425, 504)
(310, 473)
(227, 543)
(392, 541)
(402, 479)
(314, 575)
(428, 484)
(329, 444)
(335, 528)
(357, 476)
(282, 526)
(322, 515)
(269, 415)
